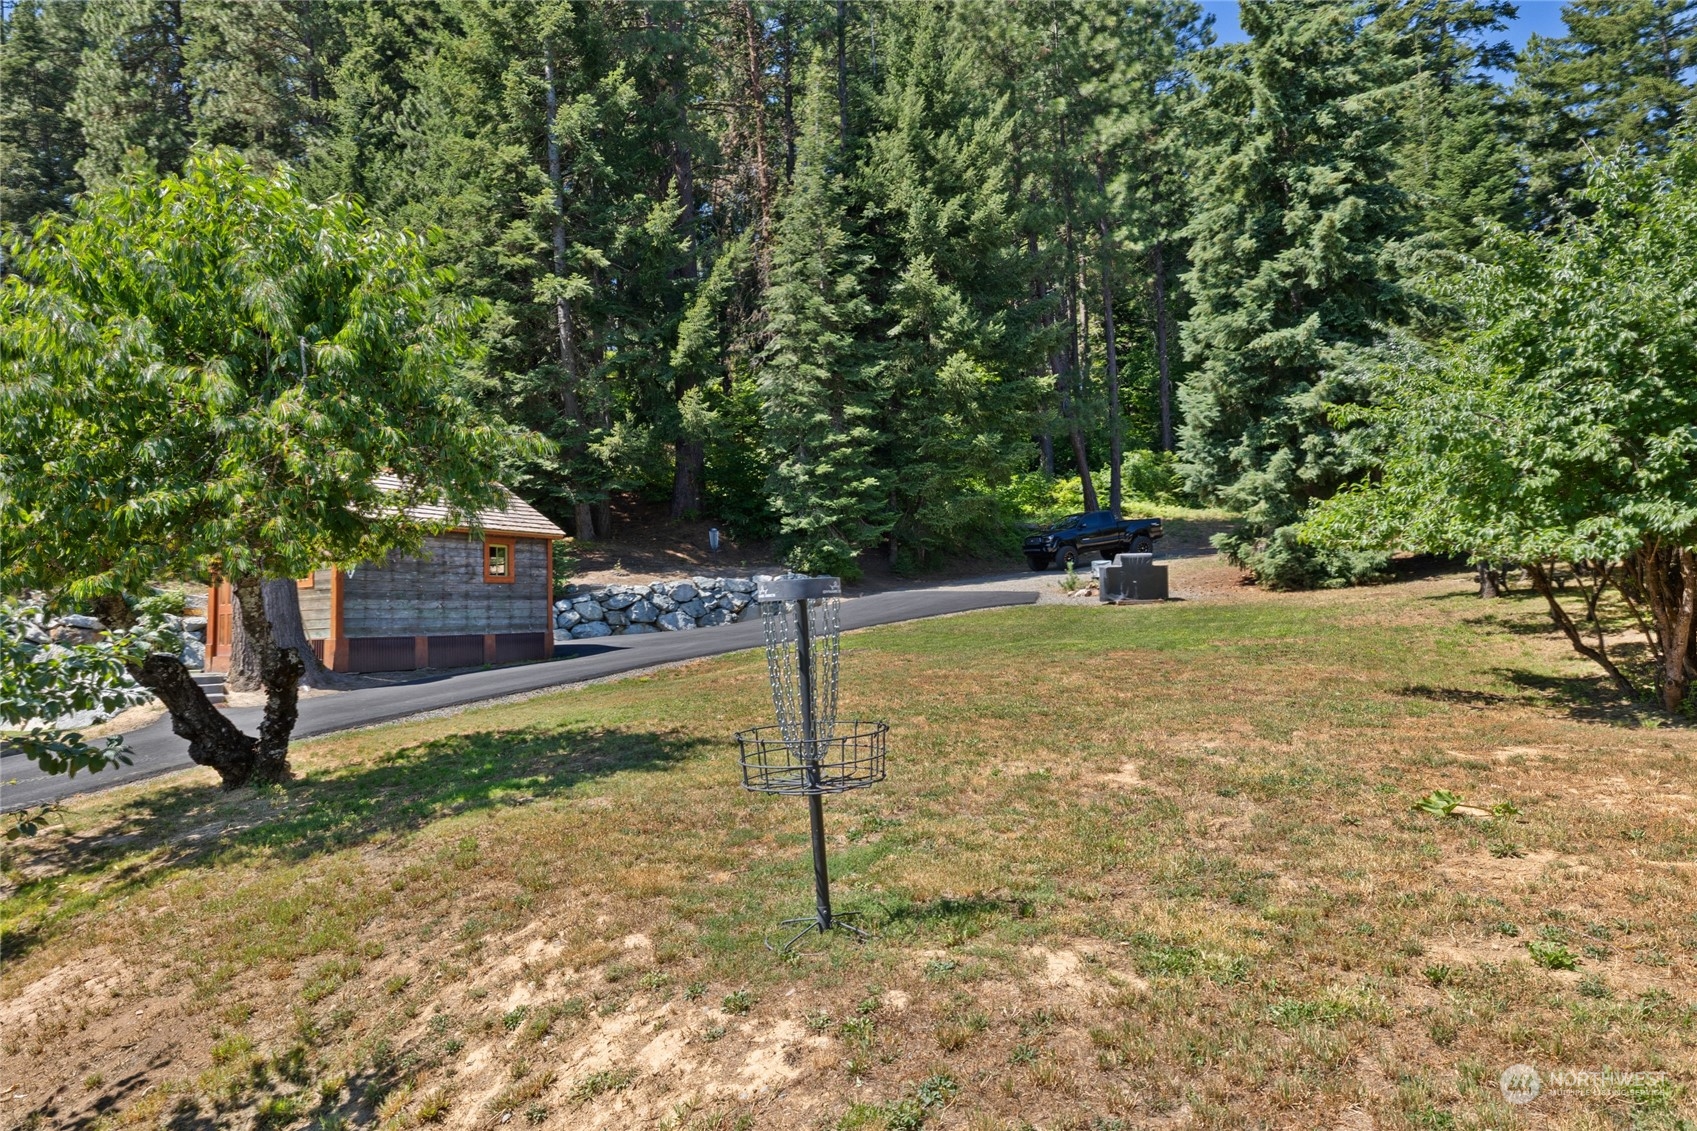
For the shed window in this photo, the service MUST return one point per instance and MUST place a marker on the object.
(498, 559)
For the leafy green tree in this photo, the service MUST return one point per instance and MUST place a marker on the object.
(1561, 427)
(820, 383)
(205, 375)
(1294, 217)
(1621, 76)
(40, 143)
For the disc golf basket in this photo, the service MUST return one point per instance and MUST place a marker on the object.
(809, 752)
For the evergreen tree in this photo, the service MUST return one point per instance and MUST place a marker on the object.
(260, 71)
(132, 89)
(1294, 215)
(40, 143)
(818, 381)
(954, 292)
(1621, 76)
(1458, 155)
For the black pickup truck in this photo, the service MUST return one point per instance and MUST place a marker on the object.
(1103, 532)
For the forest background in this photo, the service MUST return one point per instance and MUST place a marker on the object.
(892, 278)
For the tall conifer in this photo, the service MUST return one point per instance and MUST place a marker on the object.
(1294, 215)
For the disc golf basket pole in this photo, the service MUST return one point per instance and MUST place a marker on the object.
(808, 752)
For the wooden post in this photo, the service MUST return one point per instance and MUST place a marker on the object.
(548, 599)
(336, 645)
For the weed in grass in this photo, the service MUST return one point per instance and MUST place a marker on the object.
(712, 1033)
(396, 984)
(857, 1031)
(1507, 929)
(655, 980)
(1023, 1054)
(1506, 850)
(1438, 974)
(602, 1082)
(434, 1107)
(818, 1022)
(452, 1046)
(1593, 986)
(276, 1111)
(1552, 955)
(93, 1080)
(536, 1115)
(737, 1002)
(513, 1018)
(1439, 803)
(941, 967)
(291, 1065)
(694, 991)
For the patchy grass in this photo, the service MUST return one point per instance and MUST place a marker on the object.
(1132, 867)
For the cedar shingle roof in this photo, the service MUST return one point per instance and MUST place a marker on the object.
(517, 517)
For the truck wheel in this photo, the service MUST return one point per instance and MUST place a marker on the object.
(1143, 544)
(1039, 562)
(1067, 556)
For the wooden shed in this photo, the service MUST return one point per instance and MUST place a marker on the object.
(465, 600)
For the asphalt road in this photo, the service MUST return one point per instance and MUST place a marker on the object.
(155, 750)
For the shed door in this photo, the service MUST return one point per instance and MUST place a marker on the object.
(222, 638)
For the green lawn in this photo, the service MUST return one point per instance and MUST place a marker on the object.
(1143, 866)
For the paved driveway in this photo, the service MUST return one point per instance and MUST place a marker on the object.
(155, 750)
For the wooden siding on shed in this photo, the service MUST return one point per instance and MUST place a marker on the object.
(315, 606)
(442, 592)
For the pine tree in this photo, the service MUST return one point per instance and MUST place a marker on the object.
(953, 290)
(261, 73)
(132, 89)
(1619, 77)
(818, 382)
(40, 143)
(1458, 155)
(1294, 213)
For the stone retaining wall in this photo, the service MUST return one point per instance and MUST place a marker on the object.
(588, 611)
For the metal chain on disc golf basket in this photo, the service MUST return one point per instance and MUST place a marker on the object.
(782, 623)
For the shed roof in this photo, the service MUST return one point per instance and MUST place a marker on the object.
(517, 517)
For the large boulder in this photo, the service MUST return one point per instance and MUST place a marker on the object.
(694, 607)
(712, 617)
(195, 625)
(739, 585)
(676, 622)
(567, 619)
(638, 628)
(562, 605)
(78, 620)
(590, 629)
(663, 601)
(194, 654)
(643, 612)
(739, 601)
(617, 618)
(623, 599)
(684, 591)
(589, 610)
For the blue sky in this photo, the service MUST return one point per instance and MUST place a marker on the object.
(1541, 16)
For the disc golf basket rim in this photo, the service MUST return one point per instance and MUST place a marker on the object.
(852, 758)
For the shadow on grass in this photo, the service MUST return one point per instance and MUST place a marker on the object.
(1586, 698)
(954, 919)
(174, 828)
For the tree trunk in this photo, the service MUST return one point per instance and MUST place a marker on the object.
(689, 479)
(1487, 581)
(564, 329)
(842, 72)
(1158, 267)
(1116, 436)
(283, 610)
(213, 739)
(689, 474)
(280, 673)
(1679, 648)
(1541, 581)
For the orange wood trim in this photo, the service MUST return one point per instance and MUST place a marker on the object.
(548, 603)
(211, 620)
(308, 581)
(421, 651)
(335, 646)
(488, 647)
(512, 561)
